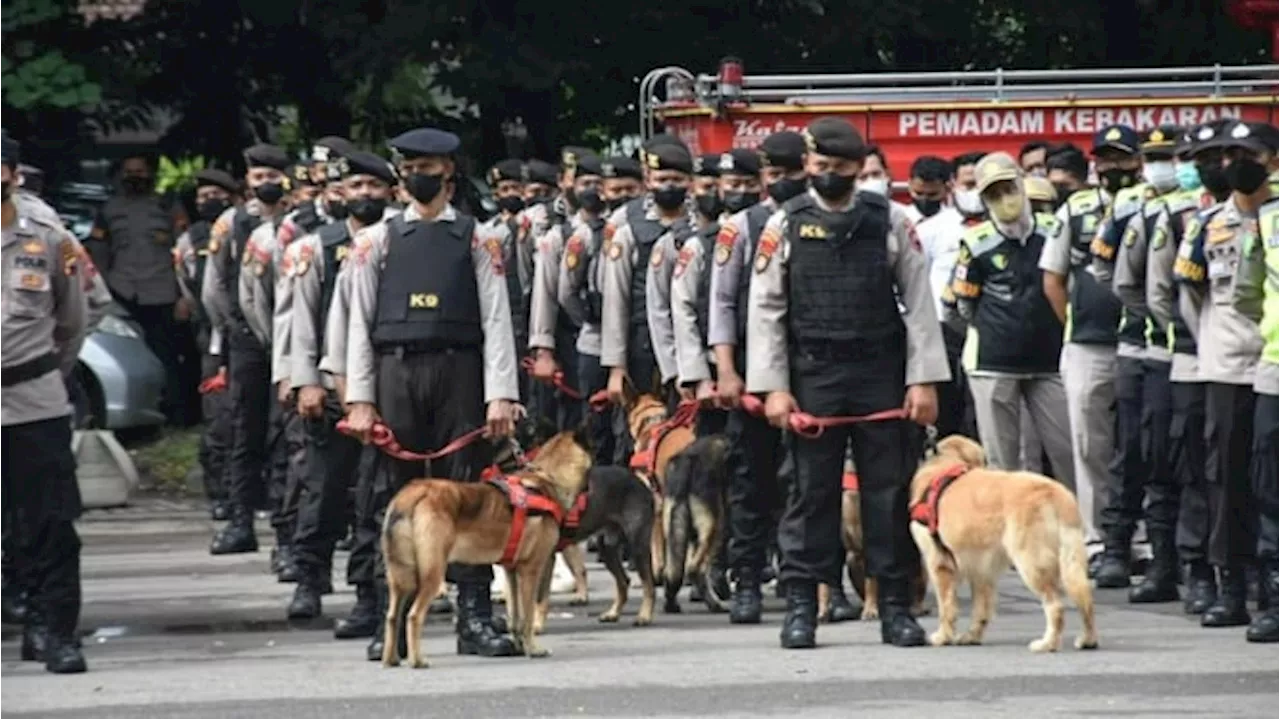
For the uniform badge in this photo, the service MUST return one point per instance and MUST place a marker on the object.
(340, 254)
(725, 240)
(33, 247)
(1000, 262)
(1130, 235)
(1159, 237)
(571, 252)
(722, 254)
(494, 247)
(615, 250)
(768, 245)
(33, 281)
(424, 301)
(683, 260)
(655, 257)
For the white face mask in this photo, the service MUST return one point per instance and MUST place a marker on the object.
(968, 201)
(878, 185)
(1162, 173)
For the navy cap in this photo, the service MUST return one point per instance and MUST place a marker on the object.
(1116, 137)
(10, 150)
(739, 162)
(589, 165)
(834, 137)
(264, 155)
(217, 178)
(425, 141)
(706, 165)
(669, 157)
(508, 170)
(543, 172)
(784, 149)
(621, 166)
(331, 147)
(360, 162)
(1254, 136)
(1161, 140)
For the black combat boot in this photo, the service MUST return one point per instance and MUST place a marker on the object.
(1229, 610)
(35, 637)
(897, 626)
(62, 653)
(374, 652)
(476, 634)
(16, 603)
(1265, 627)
(237, 536)
(1113, 568)
(1202, 588)
(746, 605)
(364, 620)
(306, 599)
(1160, 583)
(284, 565)
(219, 510)
(800, 625)
(839, 608)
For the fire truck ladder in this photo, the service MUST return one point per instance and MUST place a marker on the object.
(684, 89)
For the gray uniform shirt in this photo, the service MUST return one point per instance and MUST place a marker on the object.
(44, 311)
(574, 265)
(1161, 253)
(1129, 279)
(726, 273)
(366, 264)
(768, 365)
(657, 298)
(620, 255)
(92, 282)
(544, 307)
(135, 237)
(222, 252)
(264, 298)
(692, 361)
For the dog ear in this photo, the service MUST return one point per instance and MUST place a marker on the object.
(582, 435)
(629, 394)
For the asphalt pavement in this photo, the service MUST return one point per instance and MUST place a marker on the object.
(176, 633)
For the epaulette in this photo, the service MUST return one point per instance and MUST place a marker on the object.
(1046, 221)
(1128, 201)
(1182, 200)
(1084, 201)
(982, 237)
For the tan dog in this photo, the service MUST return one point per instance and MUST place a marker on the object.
(984, 520)
(433, 522)
(644, 414)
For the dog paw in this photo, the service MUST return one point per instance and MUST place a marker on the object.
(968, 639)
(671, 608)
(869, 613)
(388, 663)
(608, 618)
(421, 664)
(939, 639)
(539, 653)
(578, 600)
(642, 621)
(1086, 643)
(1040, 646)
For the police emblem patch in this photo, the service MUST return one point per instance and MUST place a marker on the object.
(615, 250)
(683, 260)
(655, 257)
(33, 247)
(722, 253)
(33, 281)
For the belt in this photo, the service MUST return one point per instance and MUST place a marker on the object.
(423, 348)
(27, 371)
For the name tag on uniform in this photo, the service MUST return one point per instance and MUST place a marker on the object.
(31, 262)
(1220, 269)
(423, 301)
(342, 253)
(813, 232)
(32, 281)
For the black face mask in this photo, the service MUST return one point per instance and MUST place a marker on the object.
(670, 197)
(1245, 175)
(367, 210)
(591, 201)
(511, 204)
(269, 192)
(927, 206)
(735, 202)
(785, 189)
(1214, 180)
(337, 209)
(709, 205)
(832, 186)
(615, 203)
(1116, 179)
(209, 210)
(423, 187)
(1064, 192)
(136, 185)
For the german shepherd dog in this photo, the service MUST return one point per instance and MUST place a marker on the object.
(619, 509)
(693, 516)
(432, 522)
(644, 414)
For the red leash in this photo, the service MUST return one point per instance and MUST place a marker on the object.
(214, 384)
(384, 439)
(806, 425)
(598, 401)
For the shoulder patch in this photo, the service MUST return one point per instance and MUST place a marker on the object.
(1130, 235)
(1160, 236)
(287, 232)
(70, 254)
(609, 229)
(683, 259)
(768, 245)
(913, 237)
(493, 246)
(655, 257)
(1083, 201)
(726, 238)
(573, 251)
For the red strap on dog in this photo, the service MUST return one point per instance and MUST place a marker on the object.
(384, 439)
(494, 470)
(926, 510)
(214, 384)
(807, 425)
(849, 482)
(522, 502)
(647, 459)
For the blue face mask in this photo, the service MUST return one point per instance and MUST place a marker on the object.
(1188, 176)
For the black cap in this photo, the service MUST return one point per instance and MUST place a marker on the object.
(217, 178)
(834, 137)
(10, 150)
(425, 141)
(331, 147)
(571, 155)
(1161, 140)
(706, 165)
(508, 170)
(784, 149)
(1117, 137)
(664, 138)
(300, 174)
(543, 172)
(669, 157)
(621, 166)
(589, 165)
(739, 162)
(1257, 137)
(360, 162)
(263, 155)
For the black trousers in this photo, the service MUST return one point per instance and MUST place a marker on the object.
(161, 333)
(591, 379)
(955, 403)
(286, 466)
(366, 531)
(1187, 460)
(428, 400)
(332, 459)
(1123, 506)
(1228, 439)
(1162, 490)
(251, 401)
(642, 369)
(886, 454)
(42, 501)
(1266, 474)
(566, 411)
(756, 453)
(216, 437)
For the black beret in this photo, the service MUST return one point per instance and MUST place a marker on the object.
(217, 178)
(359, 162)
(706, 165)
(1163, 138)
(669, 157)
(661, 139)
(508, 170)
(543, 172)
(739, 162)
(589, 165)
(834, 137)
(266, 156)
(300, 174)
(10, 150)
(326, 148)
(784, 149)
(571, 155)
(621, 166)
(425, 141)
(1254, 136)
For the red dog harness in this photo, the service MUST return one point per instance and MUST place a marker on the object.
(926, 510)
(849, 482)
(523, 501)
(572, 520)
(646, 460)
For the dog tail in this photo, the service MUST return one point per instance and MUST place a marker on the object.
(677, 522)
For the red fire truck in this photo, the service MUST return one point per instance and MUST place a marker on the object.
(949, 113)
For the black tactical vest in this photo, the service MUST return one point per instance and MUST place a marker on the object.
(1018, 330)
(840, 284)
(515, 291)
(428, 299)
(242, 225)
(1183, 342)
(335, 241)
(1094, 313)
(757, 216)
(706, 238)
(645, 233)
(590, 293)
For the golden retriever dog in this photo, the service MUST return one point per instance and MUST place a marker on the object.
(985, 519)
(644, 415)
(433, 522)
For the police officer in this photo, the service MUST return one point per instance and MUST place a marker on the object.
(312, 264)
(430, 347)
(507, 182)
(132, 243)
(1012, 350)
(216, 191)
(1091, 314)
(330, 204)
(249, 365)
(758, 450)
(825, 335)
(545, 203)
(623, 181)
(45, 323)
(1256, 296)
(1229, 348)
(1186, 426)
(1150, 401)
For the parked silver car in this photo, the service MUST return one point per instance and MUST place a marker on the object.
(118, 380)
